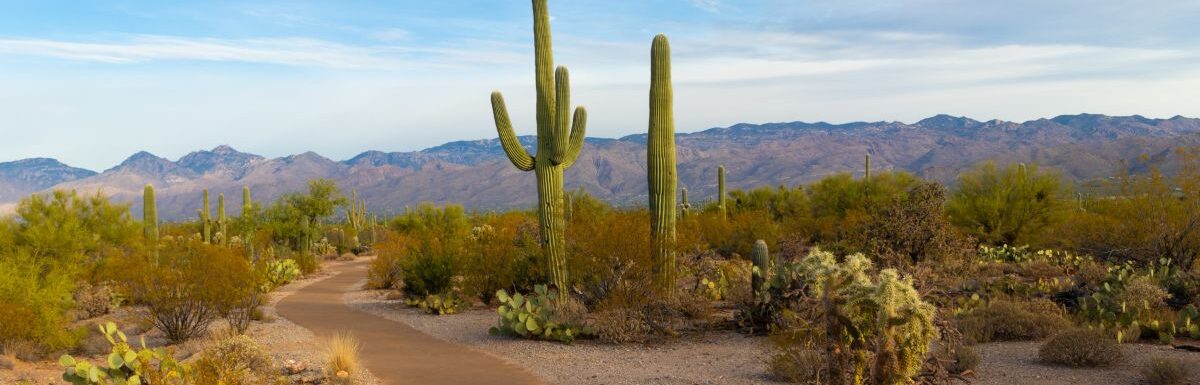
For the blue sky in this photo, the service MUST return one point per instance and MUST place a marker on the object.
(91, 82)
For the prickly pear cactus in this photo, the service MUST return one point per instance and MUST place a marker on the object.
(533, 317)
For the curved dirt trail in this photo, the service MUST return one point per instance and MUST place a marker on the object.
(392, 351)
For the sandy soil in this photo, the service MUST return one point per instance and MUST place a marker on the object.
(1012, 363)
(713, 358)
(282, 338)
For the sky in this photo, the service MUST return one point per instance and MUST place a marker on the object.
(92, 82)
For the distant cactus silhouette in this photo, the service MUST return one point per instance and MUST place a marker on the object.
(205, 220)
(557, 149)
(721, 190)
(150, 217)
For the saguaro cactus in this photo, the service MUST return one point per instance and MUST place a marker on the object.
(685, 206)
(247, 221)
(222, 229)
(721, 189)
(150, 217)
(867, 168)
(205, 219)
(660, 161)
(557, 149)
(762, 265)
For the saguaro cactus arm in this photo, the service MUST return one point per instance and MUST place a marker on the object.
(564, 149)
(508, 139)
(578, 126)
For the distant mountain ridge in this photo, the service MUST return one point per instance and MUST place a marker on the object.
(476, 173)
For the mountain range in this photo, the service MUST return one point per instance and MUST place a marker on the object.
(477, 174)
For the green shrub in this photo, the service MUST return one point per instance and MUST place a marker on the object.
(1004, 320)
(34, 299)
(1004, 206)
(386, 271)
(127, 365)
(1081, 348)
(190, 284)
(1166, 371)
(537, 316)
(428, 273)
(495, 252)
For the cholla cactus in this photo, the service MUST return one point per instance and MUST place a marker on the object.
(857, 316)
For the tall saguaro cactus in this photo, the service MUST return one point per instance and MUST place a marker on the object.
(150, 217)
(247, 221)
(660, 163)
(222, 227)
(721, 190)
(867, 168)
(205, 219)
(557, 149)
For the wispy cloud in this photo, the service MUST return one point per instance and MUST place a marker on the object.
(707, 5)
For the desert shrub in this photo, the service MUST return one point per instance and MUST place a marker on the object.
(799, 364)
(306, 261)
(94, 300)
(7, 362)
(619, 325)
(911, 228)
(386, 271)
(606, 257)
(965, 359)
(1145, 217)
(494, 251)
(867, 325)
(428, 273)
(1166, 371)
(1081, 348)
(720, 279)
(1005, 320)
(343, 350)
(126, 364)
(34, 298)
(236, 360)
(542, 315)
(1003, 206)
(191, 283)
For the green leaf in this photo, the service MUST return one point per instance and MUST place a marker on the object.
(502, 296)
(130, 356)
(115, 360)
(66, 360)
(532, 325)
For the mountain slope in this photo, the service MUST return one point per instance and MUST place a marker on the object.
(22, 177)
(477, 173)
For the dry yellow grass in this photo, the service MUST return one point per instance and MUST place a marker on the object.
(343, 351)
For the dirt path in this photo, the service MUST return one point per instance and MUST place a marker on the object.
(392, 351)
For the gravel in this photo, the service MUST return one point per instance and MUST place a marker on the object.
(1009, 363)
(711, 358)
